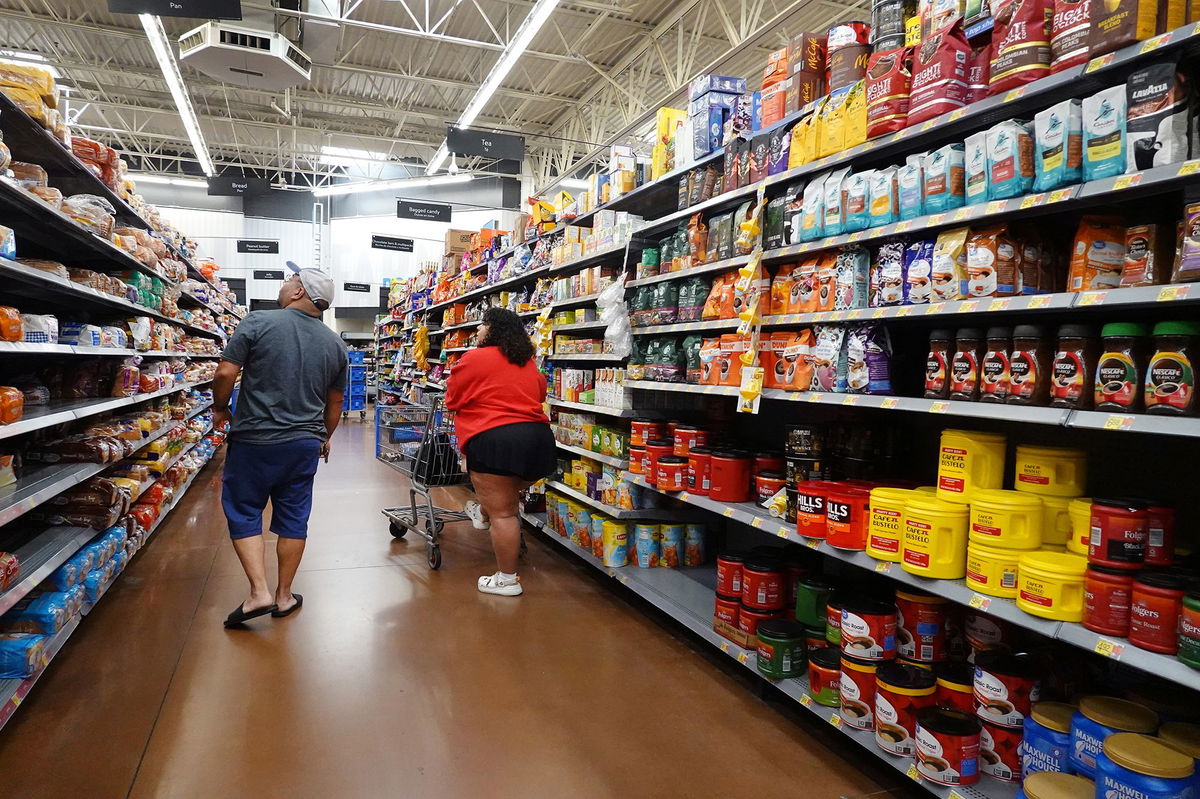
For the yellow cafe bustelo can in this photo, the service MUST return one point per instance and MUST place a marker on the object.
(992, 570)
(1050, 471)
(1006, 519)
(1056, 522)
(1050, 585)
(1079, 511)
(885, 522)
(935, 538)
(969, 460)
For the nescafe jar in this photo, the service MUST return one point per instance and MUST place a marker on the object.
(999, 752)
(687, 437)
(768, 484)
(857, 693)
(1119, 531)
(730, 473)
(901, 691)
(700, 471)
(1073, 368)
(1107, 598)
(764, 584)
(655, 449)
(847, 512)
(947, 744)
(964, 368)
(1156, 606)
(1006, 686)
(1171, 375)
(1118, 383)
(810, 507)
(729, 574)
(994, 371)
(937, 364)
(1029, 366)
(671, 473)
(868, 630)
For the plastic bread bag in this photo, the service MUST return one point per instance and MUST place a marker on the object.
(20, 654)
(824, 356)
(49, 267)
(44, 614)
(49, 195)
(28, 176)
(12, 404)
(8, 476)
(12, 326)
(92, 212)
(10, 569)
(33, 389)
(40, 328)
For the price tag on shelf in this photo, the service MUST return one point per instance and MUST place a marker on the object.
(742, 657)
(835, 720)
(815, 396)
(928, 125)
(684, 495)
(931, 308)
(1039, 302)
(939, 406)
(883, 567)
(1150, 45)
(912, 772)
(999, 305)
(936, 219)
(724, 646)
(1170, 293)
(1014, 94)
(1116, 421)
(1110, 649)
(1030, 201)
(889, 403)
(1098, 63)
(856, 236)
(813, 543)
(806, 700)
(905, 310)
(1059, 195)
(980, 602)
(954, 795)
(1092, 298)
(956, 114)
(850, 399)
(837, 316)
(997, 206)
(756, 521)
(727, 512)
(782, 532)
(1188, 168)
(878, 313)
(1126, 181)
(968, 307)
(903, 226)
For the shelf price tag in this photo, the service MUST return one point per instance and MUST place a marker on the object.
(883, 567)
(980, 602)
(742, 657)
(936, 219)
(1169, 293)
(1126, 181)
(903, 226)
(912, 773)
(756, 521)
(724, 646)
(1014, 94)
(968, 307)
(1116, 421)
(954, 795)
(1059, 195)
(999, 305)
(850, 399)
(996, 206)
(1110, 649)
(813, 543)
(727, 513)
(835, 720)
(956, 114)
(782, 532)
(815, 396)
(806, 700)
(1092, 298)
(684, 495)
(939, 407)
(1153, 44)
(928, 125)
(1098, 63)
(1188, 168)
(961, 214)
(889, 403)
(1039, 302)
(905, 310)
(1029, 201)
(932, 309)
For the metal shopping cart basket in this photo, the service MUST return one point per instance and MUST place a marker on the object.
(418, 441)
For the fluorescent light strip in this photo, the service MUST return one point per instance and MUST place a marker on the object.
(508, 59)
(166, 180)
(383, 185)
(170, 70)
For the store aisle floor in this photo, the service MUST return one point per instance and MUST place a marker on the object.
(393, 681)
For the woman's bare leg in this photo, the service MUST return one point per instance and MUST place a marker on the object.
(499, 496)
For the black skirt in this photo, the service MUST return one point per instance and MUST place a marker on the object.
(523, 449)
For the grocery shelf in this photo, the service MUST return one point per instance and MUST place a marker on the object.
(589, 259)
(456, 349)
(1020, 304)
(620, 463)
(585, 356)
(1136, 423)
(583, 406)
(596, 325)
(567, 302)
(616, 513)
(459, 326)
(1168, 667)
(670, 222)
(28, 348)
(655, 194)
(687, 596)
(684, 327)
(492, 288)
(723, 265)
(40, 556)
(13, 692)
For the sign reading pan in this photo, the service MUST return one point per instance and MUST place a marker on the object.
(499, 146)
(259, 247)
(391, 243)
(199, 9)
(360, 287)
(427, 212)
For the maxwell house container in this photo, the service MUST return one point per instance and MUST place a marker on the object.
(1047, 744)
(1053, 471)
(1006, 519)
(1133, 765)
(968, 461)
(1186, 738)
(885, 523)
(935, 538)
(993, 571)
(1079, 510)
(1099, 717)
(1053, 785)
(1050, 585)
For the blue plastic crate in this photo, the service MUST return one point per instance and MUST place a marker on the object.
(357, 356)
(355, 403)
(358, 372)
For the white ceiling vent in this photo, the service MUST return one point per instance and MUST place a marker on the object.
(246, 57)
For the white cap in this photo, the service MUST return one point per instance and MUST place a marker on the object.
(317, 285)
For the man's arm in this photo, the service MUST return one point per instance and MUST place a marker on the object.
(333, 415)
(227, 373)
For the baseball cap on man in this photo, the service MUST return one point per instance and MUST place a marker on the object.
(317, 285)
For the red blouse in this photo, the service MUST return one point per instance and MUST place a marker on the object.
(486, 390)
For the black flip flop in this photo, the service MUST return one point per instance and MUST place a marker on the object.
(279, 614)
(240, 617)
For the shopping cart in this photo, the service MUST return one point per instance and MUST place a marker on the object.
(417, 440)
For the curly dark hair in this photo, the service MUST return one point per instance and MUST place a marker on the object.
(506, 331)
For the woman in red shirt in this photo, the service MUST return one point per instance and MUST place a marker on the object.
(496, 392)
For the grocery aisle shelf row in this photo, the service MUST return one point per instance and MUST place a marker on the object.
(567, 302)
(722, 265)
(601, 409)
(586, 356)
(616, 513)
(40, 556)
(594, 325)
(459, 326)
(28, 348)
(751, 515)
(610, 460)
(492, 288)
(589, 259)
(686, 595)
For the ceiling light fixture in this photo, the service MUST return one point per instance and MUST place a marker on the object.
(384, 185)
(170, 71)
(166, 180)
(508, 58)
(350, 156)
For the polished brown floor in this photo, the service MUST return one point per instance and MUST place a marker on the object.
(393, 681)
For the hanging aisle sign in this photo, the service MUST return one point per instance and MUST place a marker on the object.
(231, 186)
(391, 243)
(360, 287)
(498, 146)
(427, 212)
(258, 247)
(268, 274)
(197, 9)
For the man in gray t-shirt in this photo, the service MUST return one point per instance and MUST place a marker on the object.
(293, 371)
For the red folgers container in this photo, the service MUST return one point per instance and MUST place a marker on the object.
(869, 630)
(901, 691)
(749, 618)
(1119, 531)
(672, 473)
(687, 437)
(730, 476)
(857, 692)
(998, 756)
(768, 484)
(769, 462)
(847, 510)
(810, 507)
(728, 611)
(1157, 604)
(700, 471)
(1107, 597)
(764, 584)
(921, 627)
(956, 686)
(1006, 687)
(948, 746)
(729, 575)
(637, 459)
(1160, 536)
(655, 449)
(643, 430)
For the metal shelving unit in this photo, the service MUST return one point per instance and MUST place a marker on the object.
(616, 513)
(620, 463)
(585, 356)
(600, 409)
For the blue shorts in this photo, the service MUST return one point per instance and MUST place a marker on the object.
(281, 473)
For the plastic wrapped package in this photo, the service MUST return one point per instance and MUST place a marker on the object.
(44, 614)
(5, 155)
(10, 569)
(49, 267)
(127, 380)
(8, 469)
(20, 654)
(28, 175)
(40, 328)
(89, 150)
(8, 243)
(32, 388)
(97, 492)
(12, 404)
(81, 334)
(11, 325)
(92, 212)
(32, 78)
(28, 101)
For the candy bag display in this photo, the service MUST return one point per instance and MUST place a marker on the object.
(993, 263)
(1104, 118)
(868, 360)
(918, 272)
(1058, 145)
(1098, 254)
(1020, 43)
(944, 178)
(975, 168)
(1010, 159)
(825, 354)
(852, 273)
(948, 271)
(884, 196)
(910, 182)
(855, 191)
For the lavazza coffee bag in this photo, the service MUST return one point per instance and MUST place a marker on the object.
(1157, 117)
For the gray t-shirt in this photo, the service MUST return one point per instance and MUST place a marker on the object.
(289, 361)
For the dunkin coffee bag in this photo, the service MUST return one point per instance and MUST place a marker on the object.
(939, 82)
(1021, 43)
(1069, 33)
(1157, 120)
(889, 79)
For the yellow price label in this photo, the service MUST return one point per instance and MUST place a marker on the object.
(813, 543)
(932, 309)
(1188, 168)
(878, 313)
(782, 532)
(905, 310)
(961, 214)
(1098, 63)
(957, 114)
(835, 720)
(968, 307)
(912, 773)
(806, 700)
(997, 206)
(727, 512)
(1039, 302)
(883, 567)
(903, 226)
(1014, 94)
(999, 305)
(1116, 421)
(856, 236)
(1126, 181)
(850, 399)
(1153, 44)
(939, 407)
(1030, 201)
(928, 125)
(1169, 293)
(724, 646)
(756, 521)
(1110, 649)
(1092, 298)
(954, 795)
(816, 396)
(1059, 195)
(742, 657)
(936, 219)
(890, 402)
(980, 602)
